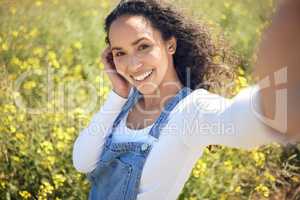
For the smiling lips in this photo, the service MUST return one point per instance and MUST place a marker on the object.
(143, 76)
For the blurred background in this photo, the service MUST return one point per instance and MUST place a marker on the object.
(52, 81)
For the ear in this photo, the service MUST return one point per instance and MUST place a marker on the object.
(171, 45)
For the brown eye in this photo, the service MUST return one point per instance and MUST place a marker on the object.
(118, 54)
(143, 46)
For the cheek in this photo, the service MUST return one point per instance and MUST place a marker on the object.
(119, 65)
(156, 54)
(157, 58)
(120, 69)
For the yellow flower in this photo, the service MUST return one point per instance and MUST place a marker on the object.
(20, 117)
(9, 119)
(262, 189)
(101, 66)
(206, 151)
(34, 62)
(269, 176)
(15, 158)
(94, 13)
(58, 180)
(201, 166)
(242, 81)
(52, 59)
(46, 188)
(38, 52)
(228, 165)
(29, 85)
(71, 130)
(15, 33)
(51, 55)
(5, 46)
(104, 91)
(196, 173)
(15, 61)
(77, 45)
(55, 64)
(68, 56)
(10, 108)
(104, 4)
(47, 147)
(22, 29)
(223, 196)
(241, 71)
(55, 2)
(33, 33)
(58, 133)
(24, 147)
(12, 129)
(25, 194)
(13, 10)
(38, 3)
(227, 5)
(237, 189)
(20, 136)
(24, 65)
(77, 69)
(2, 184)
(259, 158)
(60, 146)
(48, 162)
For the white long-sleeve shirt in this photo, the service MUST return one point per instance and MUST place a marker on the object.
(200, 119)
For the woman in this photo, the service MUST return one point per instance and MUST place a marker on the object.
(158, 117)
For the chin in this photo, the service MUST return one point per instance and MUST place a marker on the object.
(147, 89)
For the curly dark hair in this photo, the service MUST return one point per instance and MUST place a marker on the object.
(195, 50)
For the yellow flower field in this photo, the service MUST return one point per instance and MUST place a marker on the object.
(52, 81)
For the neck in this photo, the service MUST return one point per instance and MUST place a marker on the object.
(160, 97)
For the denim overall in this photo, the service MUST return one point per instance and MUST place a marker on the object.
(118, 172)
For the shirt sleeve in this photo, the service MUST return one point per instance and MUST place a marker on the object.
(233, 122)
(89, 144)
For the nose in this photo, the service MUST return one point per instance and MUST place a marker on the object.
(134, 63)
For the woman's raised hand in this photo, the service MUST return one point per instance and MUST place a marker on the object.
(119, 84)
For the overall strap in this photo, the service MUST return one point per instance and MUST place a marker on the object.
(161, 121)
(127, 106)
(132, 99)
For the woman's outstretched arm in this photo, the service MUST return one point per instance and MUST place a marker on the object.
(278, 70)
(89, 144)
(211, 119)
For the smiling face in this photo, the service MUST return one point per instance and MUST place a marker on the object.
(140, 54)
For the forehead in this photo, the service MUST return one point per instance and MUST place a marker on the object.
(129, 28)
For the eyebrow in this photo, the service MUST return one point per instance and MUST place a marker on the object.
(133, 43)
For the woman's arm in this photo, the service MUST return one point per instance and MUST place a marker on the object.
(211, 119)
(88, 145)
(278, 70)
(245, 118)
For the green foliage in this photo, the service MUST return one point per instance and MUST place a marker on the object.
(230, 173)
(49, 61)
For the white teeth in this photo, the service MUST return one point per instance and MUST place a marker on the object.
(143, 76)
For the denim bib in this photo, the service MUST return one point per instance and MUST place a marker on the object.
(118, 172)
